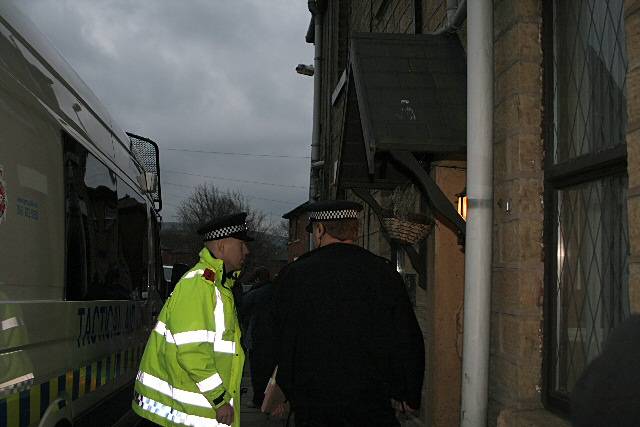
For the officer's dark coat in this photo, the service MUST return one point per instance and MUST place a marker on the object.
(347, 334)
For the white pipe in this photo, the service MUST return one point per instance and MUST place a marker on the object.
(316, 8)
(478, 248)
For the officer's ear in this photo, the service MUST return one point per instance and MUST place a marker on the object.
(319, 229)
(217, 248)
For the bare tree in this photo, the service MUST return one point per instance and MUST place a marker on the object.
(208, 202)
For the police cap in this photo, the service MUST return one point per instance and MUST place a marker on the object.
(234, 225)
(332, 210)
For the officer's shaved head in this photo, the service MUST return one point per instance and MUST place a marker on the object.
(346, 229)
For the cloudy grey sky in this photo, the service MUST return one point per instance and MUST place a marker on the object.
(203, 75)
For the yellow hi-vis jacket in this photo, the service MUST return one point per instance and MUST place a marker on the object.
(192, 364)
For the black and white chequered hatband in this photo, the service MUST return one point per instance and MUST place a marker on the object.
(336, 214)
(225, 231)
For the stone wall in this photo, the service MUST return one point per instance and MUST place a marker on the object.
(515, 382)
(518, 267)
(632, 27)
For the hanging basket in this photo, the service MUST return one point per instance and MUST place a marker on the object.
(410, 230)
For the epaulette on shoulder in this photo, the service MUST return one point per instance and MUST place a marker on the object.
(209, 275)
(300, 258)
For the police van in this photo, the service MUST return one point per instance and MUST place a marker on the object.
(79, 252)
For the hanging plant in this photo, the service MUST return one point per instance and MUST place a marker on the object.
(402, 222)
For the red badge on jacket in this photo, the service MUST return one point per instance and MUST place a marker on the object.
(210, 275)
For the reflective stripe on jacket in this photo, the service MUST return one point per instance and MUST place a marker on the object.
(193, 361)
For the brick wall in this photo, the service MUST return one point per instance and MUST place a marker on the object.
(298, 242)
(632, 27)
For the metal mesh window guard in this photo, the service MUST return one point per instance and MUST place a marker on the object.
(146, 152)
(585, 186)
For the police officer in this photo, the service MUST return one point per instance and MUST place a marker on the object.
(349, 343)
(191, 368)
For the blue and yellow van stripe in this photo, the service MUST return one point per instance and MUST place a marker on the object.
(27, 407)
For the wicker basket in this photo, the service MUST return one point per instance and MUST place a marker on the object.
(406, 231)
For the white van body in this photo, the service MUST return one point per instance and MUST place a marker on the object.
(79, 253)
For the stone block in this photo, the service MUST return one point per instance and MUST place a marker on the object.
(633, 206)
(494, 339)
(503, 379)
(633, 158)
(518, 114)
(518, 199)
(500, 171)
(520, 42)
(519, 77)
(493, 410)
(528, 199)
(518, 239)
(508, 244)
(515, 367)
(631, 7)
(502, 201)
(632, 36)
(634, 287)
(518, 290)
(633, 98)
(530, 418)
(530, 373)
(509, 13)
(530, 240)
(518, 155)
(520, 337)
(529, 154)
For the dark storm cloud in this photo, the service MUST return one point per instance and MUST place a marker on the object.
(201, 75)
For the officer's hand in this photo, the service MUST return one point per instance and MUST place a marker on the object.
(224, 414)
(402, 408)
(281, 410)
(408, 409)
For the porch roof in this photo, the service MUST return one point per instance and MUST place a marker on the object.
(411, 92)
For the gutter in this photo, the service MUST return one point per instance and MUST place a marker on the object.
(317, 9)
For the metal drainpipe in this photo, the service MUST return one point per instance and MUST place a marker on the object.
(478, 248)
(316, 7)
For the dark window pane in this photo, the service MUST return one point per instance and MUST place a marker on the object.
(587, 223)
(590, 77)
(91, 227)
(592, 275)
(133, 250)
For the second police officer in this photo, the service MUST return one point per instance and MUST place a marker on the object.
(191, 368)
(349, 345)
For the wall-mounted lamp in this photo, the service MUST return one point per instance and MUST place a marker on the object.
(462, 204)
(305, 69)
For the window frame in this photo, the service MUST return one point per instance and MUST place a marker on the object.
(122, 184)
(559, 176)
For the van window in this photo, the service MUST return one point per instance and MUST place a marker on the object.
(106, 230)
(133, 248)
